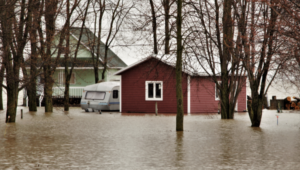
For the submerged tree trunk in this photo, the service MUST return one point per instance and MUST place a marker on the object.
(48, 90)
(31, 89)
(68, 73)
(12, 97)
(255, 110)
(67, 55)
(179, 96)
(258, 80)
(226, 111)
(50, 16)
(67, 96)
(11, 62)
(1, 88)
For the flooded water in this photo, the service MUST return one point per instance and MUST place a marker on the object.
(79, 140)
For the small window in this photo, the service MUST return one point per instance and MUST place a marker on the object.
(115, 94)
(154, 90)
(95, 95)
(217, 91)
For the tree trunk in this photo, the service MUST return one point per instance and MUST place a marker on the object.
(31, 89)
(96, 73)
(66, 96)
(67, 50)
(12, 96)
(12, 91)
(1, 88)
(226, 110)
(179, 96)
(255, 110)
(167, 31)
(1, 98)
(48, 89)
(50, 16)
(104, 62)
(154, 27)
(11, 64)
(32, 97)
(31, 92)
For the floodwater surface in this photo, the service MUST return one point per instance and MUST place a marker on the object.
(80, 140)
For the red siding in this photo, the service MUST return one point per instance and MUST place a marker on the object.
(133, 88)
(242, 101)
(203, 96)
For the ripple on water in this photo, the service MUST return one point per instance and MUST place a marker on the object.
(79, 140)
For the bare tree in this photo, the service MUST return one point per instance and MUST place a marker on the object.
(261, 50)
(32, 85)
(211, 49)
(52, 9)
(67, 58)
(179, 96)
(113, 13)
(14, 28)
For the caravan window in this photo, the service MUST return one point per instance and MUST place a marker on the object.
(115, 94)
(95, 95)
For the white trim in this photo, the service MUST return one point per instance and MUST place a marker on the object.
(120, 94)
(154, 86)
(85, 46)
(189, 94)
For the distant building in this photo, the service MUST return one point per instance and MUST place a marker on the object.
(83, 73)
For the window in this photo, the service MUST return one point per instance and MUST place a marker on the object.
(154, 90)
(93, 95)
(62, 79)
(217, 91)
(115, 94)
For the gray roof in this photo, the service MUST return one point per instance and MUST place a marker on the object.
(172, 64)
(87, 40)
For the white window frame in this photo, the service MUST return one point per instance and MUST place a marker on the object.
(154, 97)
(217, 98)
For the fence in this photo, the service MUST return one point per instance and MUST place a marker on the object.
(75, 92)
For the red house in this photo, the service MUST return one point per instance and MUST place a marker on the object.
(152, 80)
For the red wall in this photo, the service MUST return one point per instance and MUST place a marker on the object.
(133, 88)
(242, 99)
(203, 96)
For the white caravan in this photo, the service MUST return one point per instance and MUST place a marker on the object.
(101, 96)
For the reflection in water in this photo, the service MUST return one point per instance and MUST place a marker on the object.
(226, 143)
(80, 140)
(179, 149)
